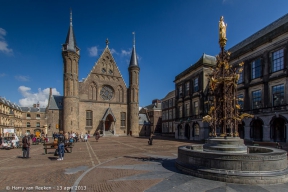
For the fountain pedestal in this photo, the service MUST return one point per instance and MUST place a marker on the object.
(225, 145)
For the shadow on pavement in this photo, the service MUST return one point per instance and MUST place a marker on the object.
(166, 163)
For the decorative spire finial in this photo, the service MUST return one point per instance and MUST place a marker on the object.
(107, 42)
(70, 16)
(222, 32)
(133, 39)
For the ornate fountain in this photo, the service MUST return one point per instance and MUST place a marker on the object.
(224, 156)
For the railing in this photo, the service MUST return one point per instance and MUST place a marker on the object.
(278, 108)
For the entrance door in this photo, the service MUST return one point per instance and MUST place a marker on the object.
(108, 123)
(278, 130)
(257, 130)
(187, 131)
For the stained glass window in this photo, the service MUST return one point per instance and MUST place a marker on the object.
(107, 92)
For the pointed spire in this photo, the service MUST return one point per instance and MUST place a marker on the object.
(70, 43)
(133, 60)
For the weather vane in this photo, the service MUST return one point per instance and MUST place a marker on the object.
(107, 41)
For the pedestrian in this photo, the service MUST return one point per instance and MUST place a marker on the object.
(26, 146)
(66, 137)
(61, 141)
(97, 135)
(150, 139)
(15, 141)
(0, 139)
(85, 137)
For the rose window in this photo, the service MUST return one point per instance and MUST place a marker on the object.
(107, 92)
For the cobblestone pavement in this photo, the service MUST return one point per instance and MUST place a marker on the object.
(112, 164)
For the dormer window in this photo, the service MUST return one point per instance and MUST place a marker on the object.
(28, 116)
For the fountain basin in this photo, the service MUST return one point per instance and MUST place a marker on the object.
(261, 165)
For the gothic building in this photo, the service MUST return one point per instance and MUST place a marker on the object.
(102, 101)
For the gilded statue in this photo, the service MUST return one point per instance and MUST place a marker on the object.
(222, 29)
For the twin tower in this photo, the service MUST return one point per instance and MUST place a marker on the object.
(102, 100)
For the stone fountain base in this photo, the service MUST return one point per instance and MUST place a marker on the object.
(229, 160)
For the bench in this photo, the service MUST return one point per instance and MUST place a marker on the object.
(268, 144)
(67, 147)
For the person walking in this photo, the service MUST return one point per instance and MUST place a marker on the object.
(85, 137)
(97, 135)
(0, 139)
(26, 146)
(61, 141)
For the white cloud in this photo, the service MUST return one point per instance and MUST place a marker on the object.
(125, 53)
(3, 44)
(113, 51)
(31, 98)
(93, 51)
(3, 74)
(22, 78)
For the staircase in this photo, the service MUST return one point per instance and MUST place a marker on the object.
(108, 134)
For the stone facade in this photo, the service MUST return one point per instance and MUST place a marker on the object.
(101, 101)
(168, 114)
(154, 112)
(34, 120)
(191, 89)
(263, 82)
(10, 117)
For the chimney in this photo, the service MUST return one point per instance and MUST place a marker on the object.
(34, 105)
(38, 104)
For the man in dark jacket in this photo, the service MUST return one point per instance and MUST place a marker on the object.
(61, 142)
(26, 145)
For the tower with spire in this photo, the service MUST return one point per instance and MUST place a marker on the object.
(70, 55)
(133, 92)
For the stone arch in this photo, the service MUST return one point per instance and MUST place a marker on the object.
(179, 129)
(256, 129)
(187, 131)
(278, 129)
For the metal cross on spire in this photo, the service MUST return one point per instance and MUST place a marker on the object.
(107, 42)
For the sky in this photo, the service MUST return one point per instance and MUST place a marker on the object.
(171, 35)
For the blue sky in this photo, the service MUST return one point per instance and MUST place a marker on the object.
(170, 36)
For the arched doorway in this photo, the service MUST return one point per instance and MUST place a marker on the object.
(179, 129)
(256, 130)
(241, 130)
(277, 128)
(187, 131)
(108, 123)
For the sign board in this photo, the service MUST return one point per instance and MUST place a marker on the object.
(9, 130)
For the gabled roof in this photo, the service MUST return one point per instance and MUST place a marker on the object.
(205, 60)
(108, 111)
(143, 119)
(56, 102)
(105, 50)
